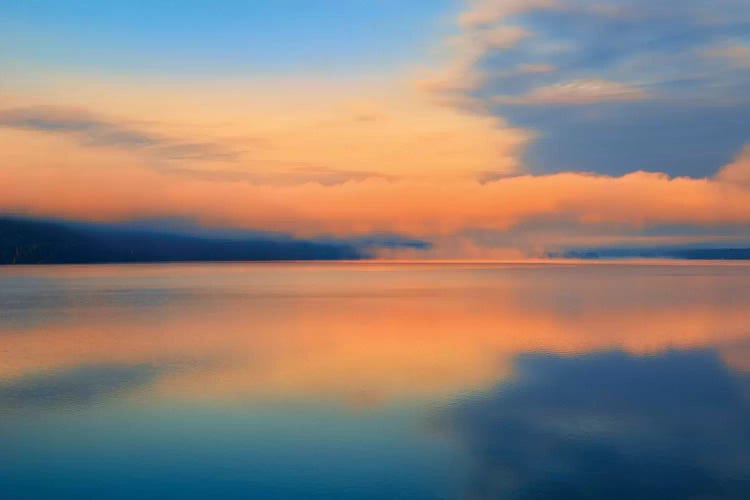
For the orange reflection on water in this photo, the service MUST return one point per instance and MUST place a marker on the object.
(360, 332)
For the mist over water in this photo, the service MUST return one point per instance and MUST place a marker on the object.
(375, 380)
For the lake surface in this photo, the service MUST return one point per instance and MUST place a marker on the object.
(376, 381)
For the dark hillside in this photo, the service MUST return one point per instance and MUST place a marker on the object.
(26, 241)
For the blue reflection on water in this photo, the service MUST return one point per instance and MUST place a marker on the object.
(225, 451)
(611, 425)
(80, 385)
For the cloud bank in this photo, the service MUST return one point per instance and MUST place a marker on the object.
(638, 200)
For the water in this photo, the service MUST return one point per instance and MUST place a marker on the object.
(374, 380)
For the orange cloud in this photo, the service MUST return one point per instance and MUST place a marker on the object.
(484, 12)
(349, 161)
(737, 172)
(737, 54)
(94, 185)
(273, 131)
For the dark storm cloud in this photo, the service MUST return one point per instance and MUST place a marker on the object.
(611, 425)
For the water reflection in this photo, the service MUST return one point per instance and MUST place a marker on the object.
(77, 386)
(411, 381)
(373, 334)
(611, 425)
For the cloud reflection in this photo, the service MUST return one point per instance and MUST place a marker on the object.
(78, 385)
(373, 332)
(611, 425)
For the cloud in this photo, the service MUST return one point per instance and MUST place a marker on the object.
(584, 91)
(645, 86)
(499, 37)
(486, 12)
(413, 207)
(738, 55)
(535, 68)
(278, 136)
(738, 171)
(92, 130)
(323, 175)
(452, 83)
(286, 175)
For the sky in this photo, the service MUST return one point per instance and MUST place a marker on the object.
(488, 128)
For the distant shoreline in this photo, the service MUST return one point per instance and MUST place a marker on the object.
(24, 241)
(54, 242)
(414, 262)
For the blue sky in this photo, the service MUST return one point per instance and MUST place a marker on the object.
(230, 38)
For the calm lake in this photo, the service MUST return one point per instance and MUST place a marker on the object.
(375, 381)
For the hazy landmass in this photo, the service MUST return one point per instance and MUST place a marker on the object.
(27, 241)
(656, 253)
